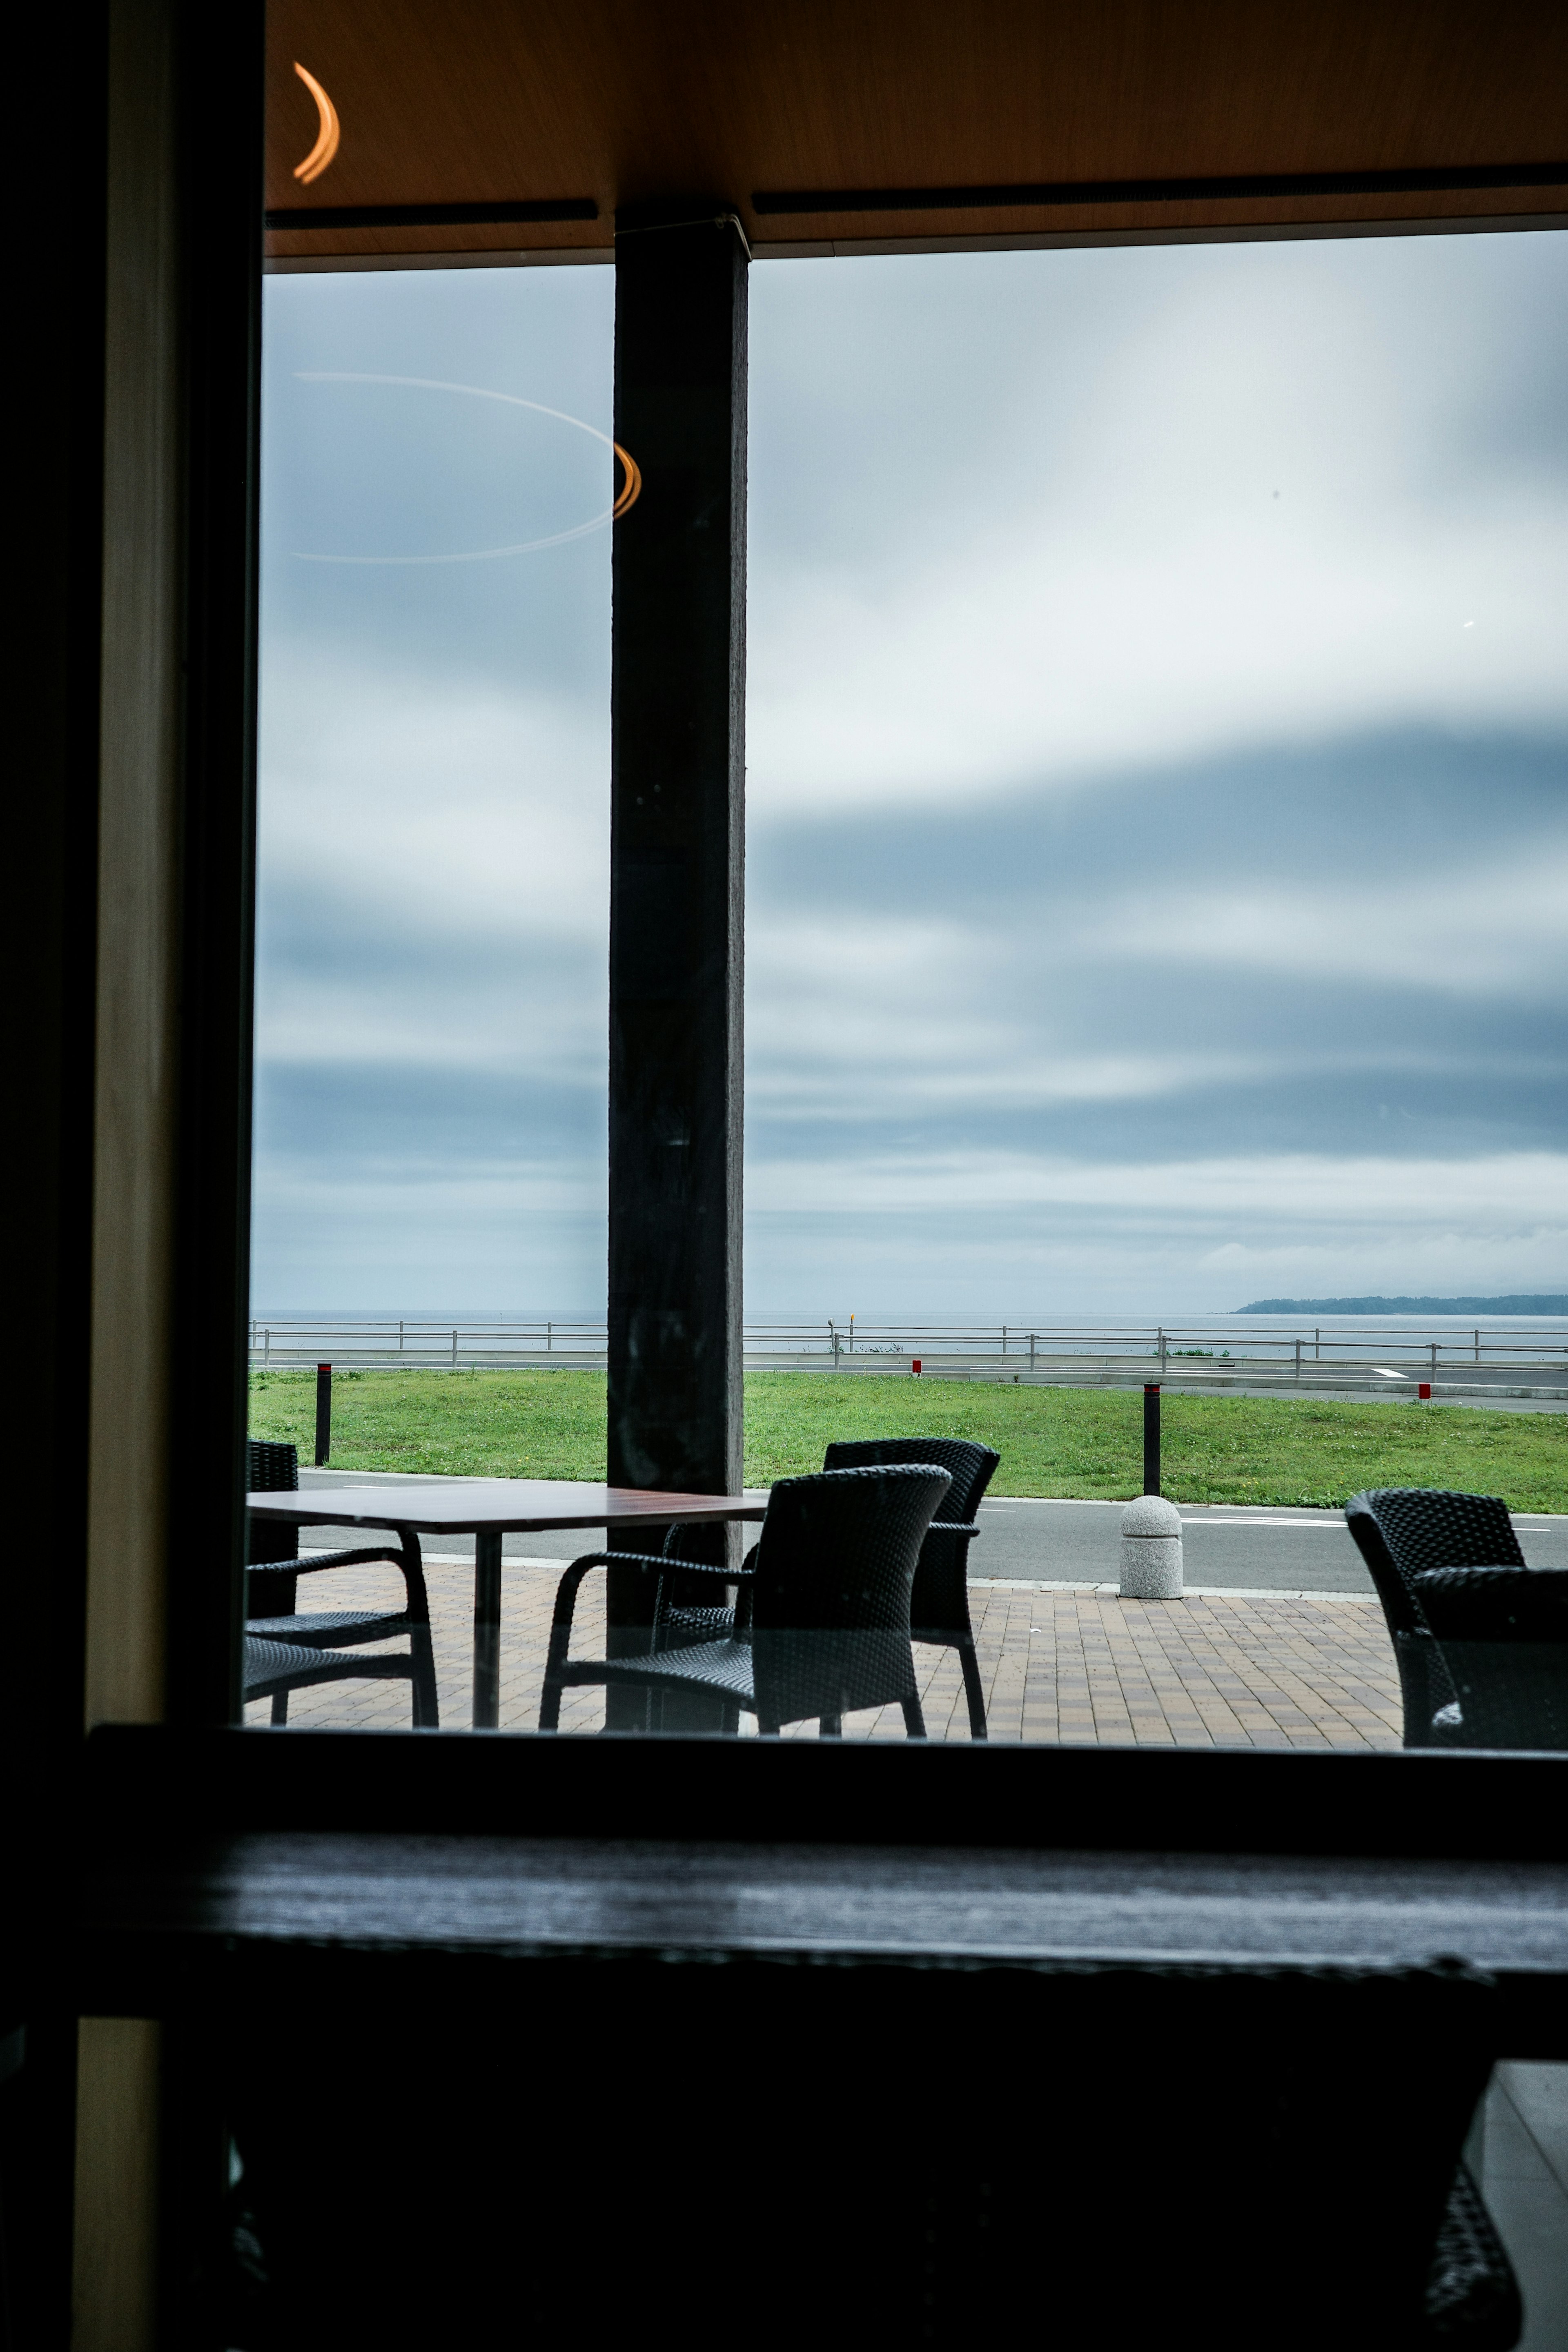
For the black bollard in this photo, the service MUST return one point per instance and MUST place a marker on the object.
(1152, 1437)
(323, 1413)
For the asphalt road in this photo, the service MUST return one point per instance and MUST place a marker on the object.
(1225, 1548)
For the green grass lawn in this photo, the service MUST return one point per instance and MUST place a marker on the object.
(1052, 1441)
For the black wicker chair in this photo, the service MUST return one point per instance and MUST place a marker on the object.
(1472, 2299)
(939, 1610)
(938, 1606)
(1503, 1636)
(1400, 1531)
(823, 1621)
(680, 1617)
(677, 1619)
(285, 1650)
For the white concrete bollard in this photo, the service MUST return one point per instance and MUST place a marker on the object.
(1151, 1550)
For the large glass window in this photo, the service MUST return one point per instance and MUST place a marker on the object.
(1159, 843)
(1158, 739)
(1158, 736)
(433, 818)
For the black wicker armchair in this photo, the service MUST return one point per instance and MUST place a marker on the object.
(938, 1606)
(285, 1650)
(683, 1610)
(1503, 1634)
(1482, 1640)
(1472, 2301)
(822, 1627)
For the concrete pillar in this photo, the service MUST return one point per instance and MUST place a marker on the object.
(677, 862)
(1151, 1550)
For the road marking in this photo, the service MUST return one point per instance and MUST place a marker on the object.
(1333, 1527)
(1190, 1593)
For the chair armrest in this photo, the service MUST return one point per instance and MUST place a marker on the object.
(587, 1560)
(1500, 1603)
(405, 1555)
(706, 1568)
(310, 1563)
(565, 1606)
(566, 1591)
(577, 1569)
(667, 1567)
(952, 1527)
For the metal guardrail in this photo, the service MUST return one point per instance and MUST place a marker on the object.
(1307, 1353)
(458, 1345)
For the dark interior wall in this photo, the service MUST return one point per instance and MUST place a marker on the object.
(52, 645)
(221, 113)
(55, 293)
(131, 728)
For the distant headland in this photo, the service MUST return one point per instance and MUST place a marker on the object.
(1533, 1302)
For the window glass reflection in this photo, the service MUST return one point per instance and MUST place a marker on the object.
(1156, 871)
(1158, 738)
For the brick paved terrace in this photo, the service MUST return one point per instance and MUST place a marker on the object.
(1075, 1665)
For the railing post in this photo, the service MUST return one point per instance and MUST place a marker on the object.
(1031, 1351)
(1478, 1347)
(454, 1347)
(1433, 1372)
(1003, 1339)
(1298, 1359)
(1150, 1438)
(323, 1415)
(1317, 1345)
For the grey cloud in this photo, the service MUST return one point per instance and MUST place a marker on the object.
(374, 468)
(1084, 951)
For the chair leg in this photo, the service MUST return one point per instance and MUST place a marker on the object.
(830, 1727)
(914, 1721)
(561, 1643)
(427, 1703)
(281, 1706)
(973, 1690)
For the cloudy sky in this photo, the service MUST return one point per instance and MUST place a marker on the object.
(1158, 748)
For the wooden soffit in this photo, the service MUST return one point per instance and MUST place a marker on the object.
(517, 127)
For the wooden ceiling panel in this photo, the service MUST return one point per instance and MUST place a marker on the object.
(528, 101)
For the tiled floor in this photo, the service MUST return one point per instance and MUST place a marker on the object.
(1076, 1666)
(1523, 2170)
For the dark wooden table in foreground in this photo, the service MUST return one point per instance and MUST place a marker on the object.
(489, 1509)
(228, 1856)
(1290, 1974)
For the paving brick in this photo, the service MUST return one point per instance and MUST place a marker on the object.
(1083, 1668)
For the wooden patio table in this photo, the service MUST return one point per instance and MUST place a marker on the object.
(488, 1509)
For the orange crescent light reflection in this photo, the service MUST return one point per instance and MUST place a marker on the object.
(632, 489)
(326, 145)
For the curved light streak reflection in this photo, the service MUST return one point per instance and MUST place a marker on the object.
(326, 138)
(630, 493)
(631, 490)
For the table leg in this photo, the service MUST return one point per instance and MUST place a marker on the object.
(486, 1631)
